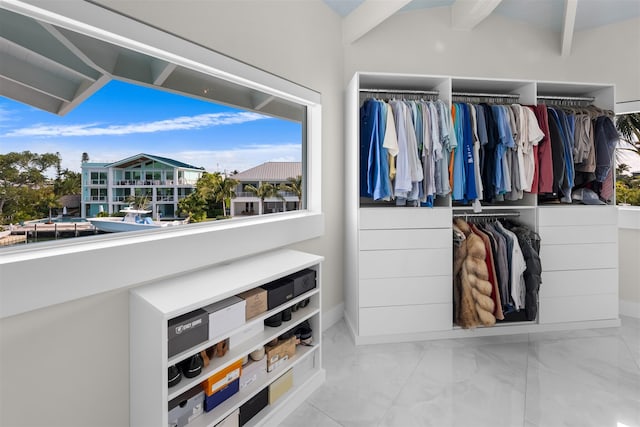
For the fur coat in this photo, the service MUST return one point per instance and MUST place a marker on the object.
(473, 305)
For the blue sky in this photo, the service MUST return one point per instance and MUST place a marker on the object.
(122, 120)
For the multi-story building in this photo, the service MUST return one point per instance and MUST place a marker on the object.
(247, 203)
(107, 186)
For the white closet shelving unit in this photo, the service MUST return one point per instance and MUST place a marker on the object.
(154, 304)
(398, 268)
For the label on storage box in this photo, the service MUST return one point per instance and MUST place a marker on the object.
(226, 380)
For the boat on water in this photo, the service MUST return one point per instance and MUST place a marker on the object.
(133, 220)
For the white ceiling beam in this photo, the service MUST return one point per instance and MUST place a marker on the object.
(161, 70)
(467, 14)
(367, 16)
(570, 8)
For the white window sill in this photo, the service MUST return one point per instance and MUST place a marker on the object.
(39, 275)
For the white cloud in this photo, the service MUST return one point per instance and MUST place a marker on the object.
(96, 129)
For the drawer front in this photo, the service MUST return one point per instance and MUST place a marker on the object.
(562, 235)
(405, 319)
(399, 217)
(577, 215)
(405, 263)
(579, 257)
(406, 239)
(578, 282)
(406, 290)
(579, 308)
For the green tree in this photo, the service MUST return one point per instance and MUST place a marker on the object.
(629, 127)
(68, 182)
(225, 191)
(138, 201)
(293, 185)
(264, 191)
(193, 207)
(24, 186)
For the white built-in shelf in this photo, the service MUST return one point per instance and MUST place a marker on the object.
(151, 306)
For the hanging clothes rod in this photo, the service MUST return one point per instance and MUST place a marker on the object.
(566, 98)
(486, 214)
(485, 95)
(401, 91)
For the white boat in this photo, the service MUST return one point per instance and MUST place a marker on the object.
(133, 220)
(4, 233)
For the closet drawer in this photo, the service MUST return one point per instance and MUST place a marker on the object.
(579, 308)
(405, 263)
(407, 319)
(578, 282)
(399, 217)
(406, 290)
(578, 257)
(577, 215)
(562, 235)
(406, 239)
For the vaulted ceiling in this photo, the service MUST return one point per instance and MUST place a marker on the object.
(561, 16)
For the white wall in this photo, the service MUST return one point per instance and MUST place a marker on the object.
(421, 42)
(300, 41)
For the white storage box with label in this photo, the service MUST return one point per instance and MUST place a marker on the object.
(251, 371)
(245, 334)
(225, 316)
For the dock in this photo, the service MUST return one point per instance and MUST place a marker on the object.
(55, 230)
(13, 239)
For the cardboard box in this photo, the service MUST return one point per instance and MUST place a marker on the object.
(303, 281)
(280, 386)
(187, 331)
(256, 300)
(278, 292)
(222, 378)
(225, 316)
(232, 420)
(186, 407)
(254, 405)
(210, 402)
(251, 371)
(245, 334)
(280, 353)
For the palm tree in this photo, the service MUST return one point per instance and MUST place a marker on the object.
(629, 127)
(293, 185)
(140, 201)
(264, 191)
(225, 189)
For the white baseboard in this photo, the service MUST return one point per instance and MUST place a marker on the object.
(332, 316)
(630, 308)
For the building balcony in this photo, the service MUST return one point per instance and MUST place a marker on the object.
(95, 199)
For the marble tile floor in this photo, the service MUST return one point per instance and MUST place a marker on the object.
(575, 378)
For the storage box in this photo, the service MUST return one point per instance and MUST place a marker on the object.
(254, 405)
(251, 372)
(280, 353)
(245, 334)
(303, 281)
(222, 378)
(210, 402)
(186, 407)
(256, 300)
(225, 316)
(187, 331)
(233, 420)
(278, 292)
(280, 386)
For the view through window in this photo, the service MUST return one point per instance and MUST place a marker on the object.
(133, 144)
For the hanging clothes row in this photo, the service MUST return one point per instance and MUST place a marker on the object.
(405, 147)
(580, 153)
(496, 272)
(496, 156)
